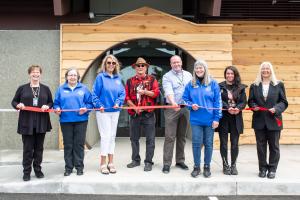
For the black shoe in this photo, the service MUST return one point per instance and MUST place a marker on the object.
(206, 171)
(226, 170)
(67, 173)
(196, 172)
(271, 175)
(39, 174)
(79, 172)
(226, 167)
(262, 173)
(182, 166)
(148, 167)
(133, 164)
(166, 169)
(234, 170)
(26, 177)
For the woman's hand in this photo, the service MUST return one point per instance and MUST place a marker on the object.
(20, 106)
(236, 111)
(101, 109)
(57, 111)
(256, 108)
(272, 110)
(82, 111)
(215, 125)
(116, 106)
(195, 107)
(44, 108)
(231, 110)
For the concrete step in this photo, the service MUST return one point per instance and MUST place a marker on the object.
(137, 182)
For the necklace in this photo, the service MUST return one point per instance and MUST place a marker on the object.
(35, 91)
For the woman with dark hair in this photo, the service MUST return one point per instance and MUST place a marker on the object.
(234, 100)
(267, 92)
(33, 125)
(73, 95)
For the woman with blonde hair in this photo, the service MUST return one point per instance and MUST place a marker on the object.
(267, 93)
(108, 95)
(201, 95)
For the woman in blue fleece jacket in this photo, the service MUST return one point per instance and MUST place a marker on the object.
(108, 95)
(73, 95)
(202, 93)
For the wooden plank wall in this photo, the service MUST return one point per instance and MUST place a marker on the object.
(279, 43)
(82, 43)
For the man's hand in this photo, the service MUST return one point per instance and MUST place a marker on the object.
(177, 107)
(57, 111)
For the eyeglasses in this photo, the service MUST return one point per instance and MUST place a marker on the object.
(141, 65)
(109, 63)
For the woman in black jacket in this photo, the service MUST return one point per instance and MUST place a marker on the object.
(267, 92)
(33, 125)
(234, 101)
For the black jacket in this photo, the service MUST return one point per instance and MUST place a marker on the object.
(276, 99)
(241, 102)
(26, 118)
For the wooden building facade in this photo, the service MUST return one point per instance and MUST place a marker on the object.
(220, 43)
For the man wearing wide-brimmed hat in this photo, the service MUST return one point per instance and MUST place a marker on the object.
(142, 90)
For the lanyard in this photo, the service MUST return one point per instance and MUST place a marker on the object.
(180, 80)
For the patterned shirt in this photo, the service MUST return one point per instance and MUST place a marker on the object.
(136, 83)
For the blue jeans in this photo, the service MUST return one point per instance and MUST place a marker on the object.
(202, 135)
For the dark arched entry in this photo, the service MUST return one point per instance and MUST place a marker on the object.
(157, 53)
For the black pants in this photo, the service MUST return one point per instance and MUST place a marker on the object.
(264, 137)
(74, 138)
(224, 130)
(33, 147)
(146, 121)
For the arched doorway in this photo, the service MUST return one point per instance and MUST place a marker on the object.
(157, 53)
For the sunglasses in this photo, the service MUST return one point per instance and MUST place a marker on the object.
(109, 63)
(141, 65)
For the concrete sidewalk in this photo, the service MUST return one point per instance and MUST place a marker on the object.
(137, 182)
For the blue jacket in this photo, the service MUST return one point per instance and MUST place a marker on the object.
(108, 91)
(65, 98)
(205, 96)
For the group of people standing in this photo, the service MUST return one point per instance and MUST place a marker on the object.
(196, 100)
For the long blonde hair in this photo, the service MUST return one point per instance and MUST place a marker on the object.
(206, 77)
(114, 59)
(273, 80)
